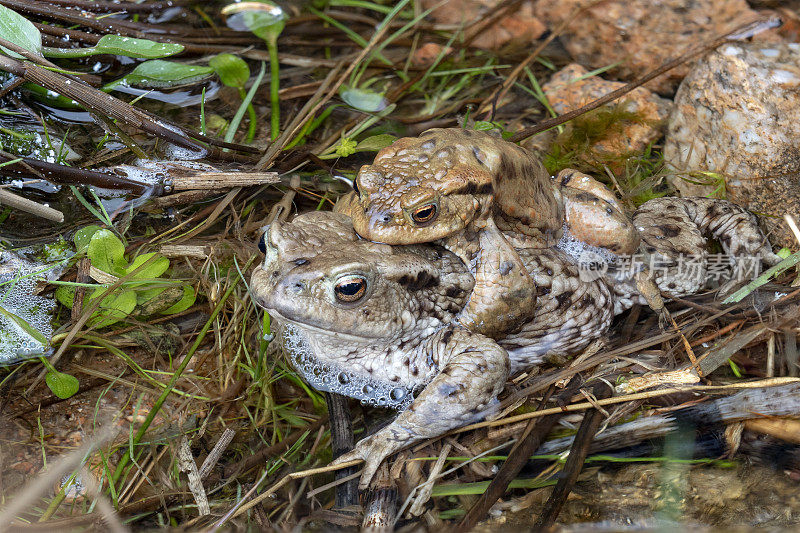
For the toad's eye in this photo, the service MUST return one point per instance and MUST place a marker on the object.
(425, 214)
(350, 289)
(262, 243)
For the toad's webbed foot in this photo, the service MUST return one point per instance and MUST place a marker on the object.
(504, 296)
(474, 370)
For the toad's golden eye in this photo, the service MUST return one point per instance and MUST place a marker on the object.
(425, 214)
(350, 289)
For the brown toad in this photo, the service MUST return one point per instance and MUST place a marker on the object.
(480, 197)
(376, 322)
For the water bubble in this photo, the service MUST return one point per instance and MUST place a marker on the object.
(18, 279)
(330, 377)
(398, 394)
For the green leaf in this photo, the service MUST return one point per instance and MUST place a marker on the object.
(48, 97)
(347, 147)
(63, 385)
(146, 295)
(151, 271)
(65, 294)
(157, 300)
(775, 270)
(20, 31)
(113, 308)
(83, 236)
(130, 47)
(375, 143)
(107, 252)
(483, 125)
(267, 22)
(232, 70)
(189, 297)
(363, 99)
(119, 46)
(162, 74)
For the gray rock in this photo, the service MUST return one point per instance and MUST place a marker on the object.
(737, 115)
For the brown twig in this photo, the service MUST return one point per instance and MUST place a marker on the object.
(102, 6)
(574, 464)
(65, 175)
(342, 441)
(532, 436)
(29, 206)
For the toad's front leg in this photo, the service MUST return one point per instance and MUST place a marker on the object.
(473, 371)
(504, 296)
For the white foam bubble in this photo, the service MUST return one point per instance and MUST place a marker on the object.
(18, 279)
(576, 249)
(330, 377)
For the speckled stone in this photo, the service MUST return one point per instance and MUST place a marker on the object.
(567, 91)
(641, 34)
(522, 26)
(737, 113)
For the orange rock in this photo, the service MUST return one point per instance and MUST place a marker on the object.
(641, 34)
(568, 90)
(521, 26)
(427, 54)
(26, 467)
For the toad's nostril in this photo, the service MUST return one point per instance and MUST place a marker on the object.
(386, 219)
(298, 287)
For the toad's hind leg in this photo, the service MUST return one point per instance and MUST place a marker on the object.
(504, 296)
(675, 228)
(473, 371)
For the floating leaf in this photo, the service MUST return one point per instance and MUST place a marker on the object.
(20, 31)
(363, 99)
(83, 236)
(232, 70)
(63, 385)
(119, 46)
(107, 252)
(375, 143)
(141, 48)
(163, 74)
(265, 19)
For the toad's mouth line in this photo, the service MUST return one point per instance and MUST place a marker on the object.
(316, 329)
